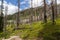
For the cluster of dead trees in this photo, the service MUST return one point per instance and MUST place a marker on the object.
(54, 13)
(54, 10)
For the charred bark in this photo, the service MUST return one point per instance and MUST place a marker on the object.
(45, 17)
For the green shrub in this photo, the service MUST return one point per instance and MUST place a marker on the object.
(47, 31)
(51, 32)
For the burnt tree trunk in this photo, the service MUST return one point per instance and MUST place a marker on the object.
(1, 17)
(53, 21)
(45, 17)
(17, 15)
(31, 18)
(56, 8)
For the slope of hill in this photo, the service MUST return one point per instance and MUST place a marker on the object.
(38, 11)
(26, 13)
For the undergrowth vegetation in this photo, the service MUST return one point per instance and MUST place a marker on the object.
(35, 30)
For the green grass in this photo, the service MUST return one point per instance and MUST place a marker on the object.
(36, 30)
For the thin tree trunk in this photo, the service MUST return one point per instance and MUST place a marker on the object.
(1, 6)
(52, 5)
(31, 12)
(45, 17)
(56, 8)
(5, 20)
(2, 19)
(17, 15)
(6, 9)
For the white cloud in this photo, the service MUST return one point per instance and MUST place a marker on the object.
(58, 1)
(11, 8)
(24, 2)
(36, 3)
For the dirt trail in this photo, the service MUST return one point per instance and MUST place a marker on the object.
(13, 38)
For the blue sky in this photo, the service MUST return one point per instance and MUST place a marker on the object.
(15, 2)
(13, 5)
(24, 4)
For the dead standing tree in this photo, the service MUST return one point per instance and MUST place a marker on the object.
(5, 20)
(56, 8)
(52, 5)
(1, 17)
(31, 18)
(17, 15)
(45, 17)
(37, 11)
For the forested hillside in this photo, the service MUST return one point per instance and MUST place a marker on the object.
(27, 12)
(38, 11)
